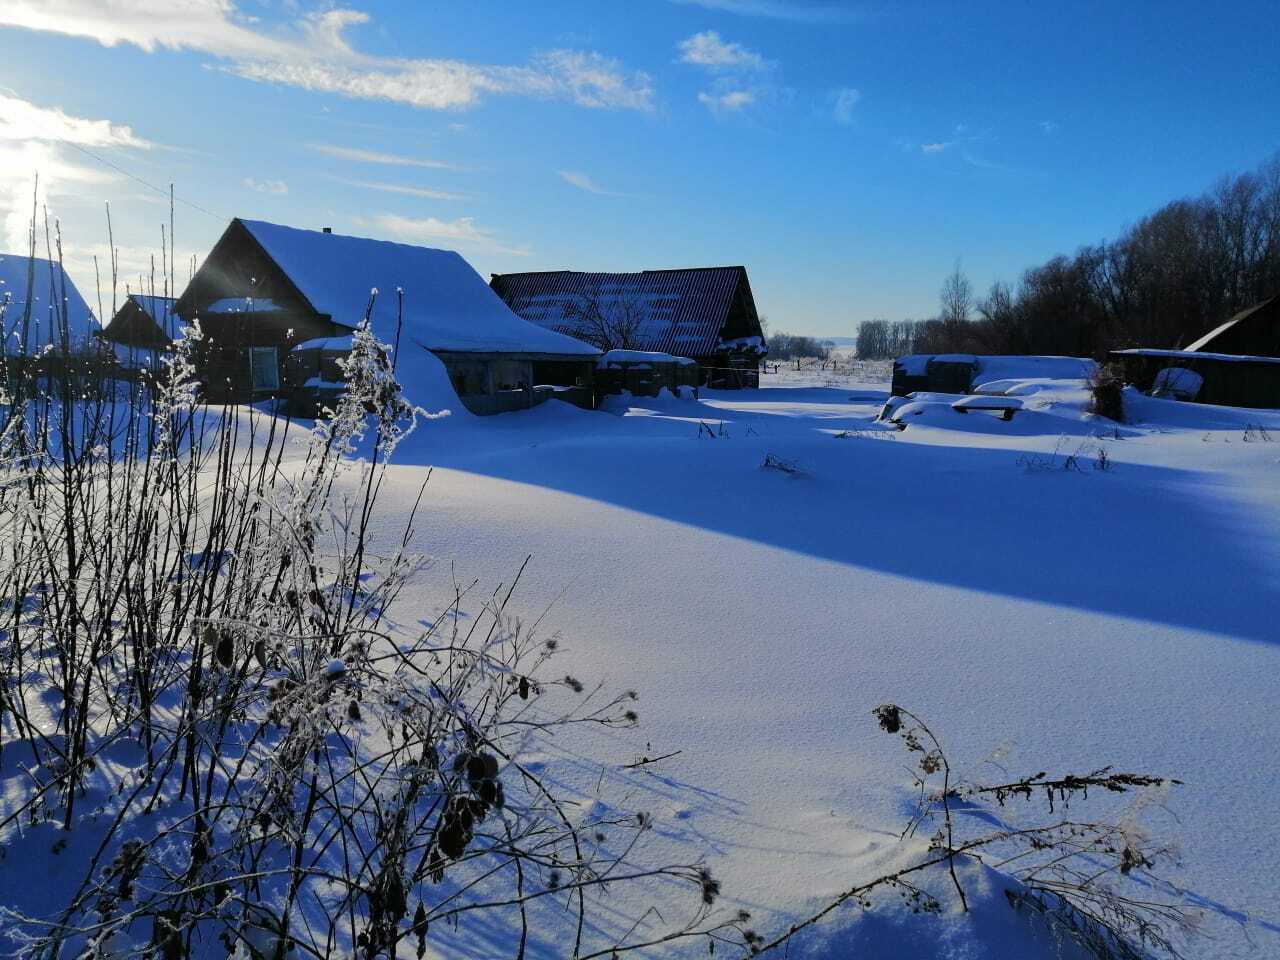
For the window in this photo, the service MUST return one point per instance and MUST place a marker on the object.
(264, 369)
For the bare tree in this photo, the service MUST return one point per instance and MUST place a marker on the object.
(956, 297)
(608, 320)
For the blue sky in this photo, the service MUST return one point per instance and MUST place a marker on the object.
(847, 153)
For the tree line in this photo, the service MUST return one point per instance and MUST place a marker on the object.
(1165, 281)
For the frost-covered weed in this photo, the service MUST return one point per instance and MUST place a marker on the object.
(225, 733)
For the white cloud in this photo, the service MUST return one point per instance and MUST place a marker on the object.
(266, 186)
(802, 11)
(38, 151)
(844, 101)
(732, 101)
(372, 156)
(423, 192)
(584, 182)
(209, 25)
(1048, 127)
(742, 77)
(21, 120)
(707, 49)
(313, 53)
(935, 147)
(461, 232)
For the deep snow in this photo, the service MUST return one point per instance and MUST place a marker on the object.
(1048, 618)
(1071, 617)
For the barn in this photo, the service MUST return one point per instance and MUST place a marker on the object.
(707, 314)
(266, 289)
(40, 308)
(142, 331)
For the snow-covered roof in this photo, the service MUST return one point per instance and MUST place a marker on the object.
(1192, 355)
(753, 344)
(335, 344)
(48, 284)
(447, 305)
(157, 308)
(618, 357)
(242, 305)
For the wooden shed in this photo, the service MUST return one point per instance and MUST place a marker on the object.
(265, 289)
(1218, 378)
(706, 314)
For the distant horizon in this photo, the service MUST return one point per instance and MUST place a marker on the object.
(848, 154)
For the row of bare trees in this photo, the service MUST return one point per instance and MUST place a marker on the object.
(1165, 281)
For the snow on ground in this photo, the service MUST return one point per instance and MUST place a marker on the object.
(1074, 617)
(1062, 618)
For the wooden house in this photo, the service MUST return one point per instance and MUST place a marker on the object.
(265, 289)
(707, 314)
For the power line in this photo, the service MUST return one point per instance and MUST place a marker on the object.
(146, 183)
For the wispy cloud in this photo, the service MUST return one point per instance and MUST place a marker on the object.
(843, 102)
(266, 186)
(313, 53)
(1048, 127)
(408, 191)
(740, 77)
(708, 49)
(801, 11)
(730, 101)
(583, 182)
(461, 232)
(940, 147)
(361, 155)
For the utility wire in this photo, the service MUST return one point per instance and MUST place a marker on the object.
(137, 179)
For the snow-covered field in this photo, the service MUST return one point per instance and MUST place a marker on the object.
(1052, 618)
(1051, 593)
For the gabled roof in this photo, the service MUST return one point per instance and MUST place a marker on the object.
(447, 306)
(1243, 317)
(48, 284)
(684, 311)
(158, 309)
(145, 320)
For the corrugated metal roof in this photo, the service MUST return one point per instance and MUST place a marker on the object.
(683, 311)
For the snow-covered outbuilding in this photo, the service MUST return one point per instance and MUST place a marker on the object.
(707, 314)
(265, 289)
(1236, 364)
(40, 308)
(142, 331)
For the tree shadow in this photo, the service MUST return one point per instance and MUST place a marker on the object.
(1143, 542)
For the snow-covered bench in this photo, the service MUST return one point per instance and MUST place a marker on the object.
(1005, 406)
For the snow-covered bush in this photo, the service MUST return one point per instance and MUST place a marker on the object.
(1106, 388)
(1093, 884)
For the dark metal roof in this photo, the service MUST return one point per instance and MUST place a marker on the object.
(684, 311)
(1255, 329)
